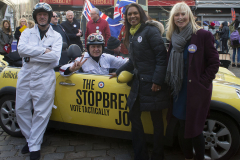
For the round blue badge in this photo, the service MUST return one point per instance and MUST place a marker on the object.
(192, 48)
(101, 84)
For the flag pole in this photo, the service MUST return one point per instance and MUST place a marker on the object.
(82, 13)
(82, 16)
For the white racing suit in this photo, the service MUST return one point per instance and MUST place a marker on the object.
(36, 83)
(105, 62)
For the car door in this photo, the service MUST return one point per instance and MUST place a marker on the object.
(93, 100)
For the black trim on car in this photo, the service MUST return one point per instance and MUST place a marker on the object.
(99, 131)
(227, 109)
(8, 90)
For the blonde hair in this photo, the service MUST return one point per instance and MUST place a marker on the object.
(21, 20)
(171, 26)
(31, 24)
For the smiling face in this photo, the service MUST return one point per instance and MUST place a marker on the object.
(42, 18)
(6, 25)
(70, 16)
(181, 19)
(95, 50)
(133, 16)
(54, 19)
(23, 22)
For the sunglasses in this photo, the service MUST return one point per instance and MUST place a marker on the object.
(54, 16)
(93, 38)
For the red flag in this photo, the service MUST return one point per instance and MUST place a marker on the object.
(233, 14)
(6, 48)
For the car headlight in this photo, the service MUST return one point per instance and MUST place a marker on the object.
(2, 66)
(238, 93)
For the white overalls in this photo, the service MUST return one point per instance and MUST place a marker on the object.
(36, 83)
(106, 62)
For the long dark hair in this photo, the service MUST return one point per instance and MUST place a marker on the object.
(8, 30)
(143, 19)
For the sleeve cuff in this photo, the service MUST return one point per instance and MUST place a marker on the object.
(67, 71)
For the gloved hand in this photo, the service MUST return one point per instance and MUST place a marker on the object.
(26, 59)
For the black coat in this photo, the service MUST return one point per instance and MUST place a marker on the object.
(17, 34)
(225, 31)
(71, 30)
(148, 61)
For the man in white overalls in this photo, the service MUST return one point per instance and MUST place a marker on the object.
(40, 47)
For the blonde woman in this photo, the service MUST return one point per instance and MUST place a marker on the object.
(193, 62)
(5, 36)
(22, 22)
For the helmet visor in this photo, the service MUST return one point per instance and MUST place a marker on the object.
(93, 38)
(44, 6)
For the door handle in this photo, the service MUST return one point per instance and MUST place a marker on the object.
(66, 84)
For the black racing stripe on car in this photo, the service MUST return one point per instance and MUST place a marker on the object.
(226, 109)
(98, 131)
(8, 90)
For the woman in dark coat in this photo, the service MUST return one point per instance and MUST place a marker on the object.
(148, 61)
(193, 62)
(17, 34)
(6, 37)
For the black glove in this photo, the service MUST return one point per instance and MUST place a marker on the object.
(26, 59)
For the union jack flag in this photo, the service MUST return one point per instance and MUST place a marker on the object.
(114, 25)
(123, 3)
(117, 11)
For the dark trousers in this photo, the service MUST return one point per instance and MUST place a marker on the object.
(224, 44)
(187, 144)
(138, 136)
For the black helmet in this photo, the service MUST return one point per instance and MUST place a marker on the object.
(42, 7)
(95, 39)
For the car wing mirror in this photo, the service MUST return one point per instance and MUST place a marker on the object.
(124, 77)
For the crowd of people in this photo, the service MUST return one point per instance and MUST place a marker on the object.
(223, 38)
(162, 78)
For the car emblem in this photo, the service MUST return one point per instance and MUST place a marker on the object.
(101, 84)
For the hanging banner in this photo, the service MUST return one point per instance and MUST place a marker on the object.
(233, 14)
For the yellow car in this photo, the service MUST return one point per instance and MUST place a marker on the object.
(95, 104)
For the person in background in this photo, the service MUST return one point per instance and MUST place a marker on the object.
(193, 62)
(57, 27)
(113, 47)
(97, 25)
(6, 37)
(72, 28)
(31, 24)
(224, 36)
(213, 31)
(121, 37)
(236, 48)
(18, 32)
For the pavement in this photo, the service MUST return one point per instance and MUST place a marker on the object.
(67, 145)
(235, 70)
